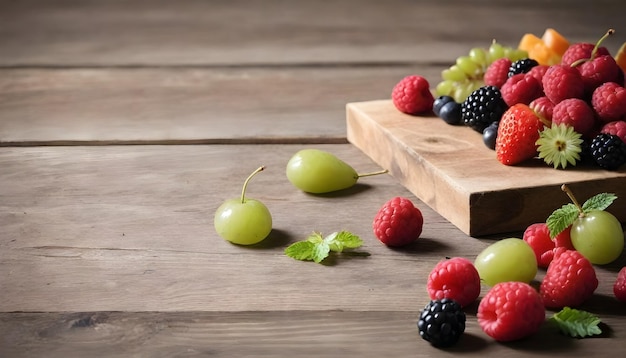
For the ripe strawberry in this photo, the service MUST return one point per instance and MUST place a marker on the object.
(569, 281)
(617, 128)
(398, 222)
(609, 102)
(517, 133)
(511, 311)
(454, 278)
(521, 88)
(412, 95)
(562, 82)
(619, 288)
(498, 72)
(576, 113)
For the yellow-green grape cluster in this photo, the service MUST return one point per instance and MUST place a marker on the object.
(466, 75)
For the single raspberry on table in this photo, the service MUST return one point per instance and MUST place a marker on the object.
(609, 102)
(455, 278)
(617, 128)
(543, 107)
(498, 72)
(575, 113)
(562, 82)
(521, 88)
(581, 51)
(619, 287)
(569, 281)
(412, 95)
(398, 222)
(511, 311)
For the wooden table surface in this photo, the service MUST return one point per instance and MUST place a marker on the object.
(125, 124)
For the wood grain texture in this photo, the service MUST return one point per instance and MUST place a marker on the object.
(187, 105)
(243, 32)
(263, 334)
(450, 169)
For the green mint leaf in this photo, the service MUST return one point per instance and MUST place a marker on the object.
(561, 219)
(576, 323)
(349, 240)
(301, 250)
(321, 251)
(315, 238)
(598, 202)
(334, 244)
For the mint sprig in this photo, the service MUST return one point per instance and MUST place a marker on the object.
(576, 323)
(316, 247)
(565, 216)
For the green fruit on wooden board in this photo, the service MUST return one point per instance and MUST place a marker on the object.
(316, 171)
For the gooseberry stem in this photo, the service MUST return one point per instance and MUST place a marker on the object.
(245, 183)
(569, 193)
(595, 49)
(372, 173)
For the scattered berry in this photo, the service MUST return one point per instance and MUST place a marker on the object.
(522, 66)
(511, 311)
(498, 72)
(609, 102)
(617, 128)
(490, 134)
(442, 322)
(569, 281)
(451, 113)
(439, 102)
(398, 222)
(543, 107)
(483, 107)
(412, 95)
(619, 288)
(518, 133)
(608, 151)
(521, 88)
(576, 113)
(454, 278)
(561, 82)
(538, 237)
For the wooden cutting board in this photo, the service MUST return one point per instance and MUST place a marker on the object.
(451, 170)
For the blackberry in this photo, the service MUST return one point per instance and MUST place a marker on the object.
(442, 322)
(522, 66)
(608, 151)
(483, 107)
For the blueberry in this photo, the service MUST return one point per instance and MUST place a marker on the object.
(439, 102)
(451, 113)
(489, 135)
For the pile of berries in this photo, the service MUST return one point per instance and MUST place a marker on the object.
(585, 92)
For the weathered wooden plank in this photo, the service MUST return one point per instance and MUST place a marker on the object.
(183, 105)
(450, 169)
(262, 334)
(122, 33)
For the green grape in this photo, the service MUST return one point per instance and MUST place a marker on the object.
(517, 54)
(243, 221)
(496, 51)
(445, 88)
(454, 73)
(468, 66)
(598, 236)
(479, 56)
(510, 259)
(317, 171)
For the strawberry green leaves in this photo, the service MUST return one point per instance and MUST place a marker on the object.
(316, 248)
(576, 323)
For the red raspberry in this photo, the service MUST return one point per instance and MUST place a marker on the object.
(454, 278)
(581, 50)
(412, 95)
(609, 102)
(562, 82)
(538, 72)
(511, 311)
(598, 71)
(521, 88)
(617, 128)
(576, 113)
(569, 281)
(543, 107)
(498, 72)
(564, 240)
(619, 288)
(538, 237)
(398, 222)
